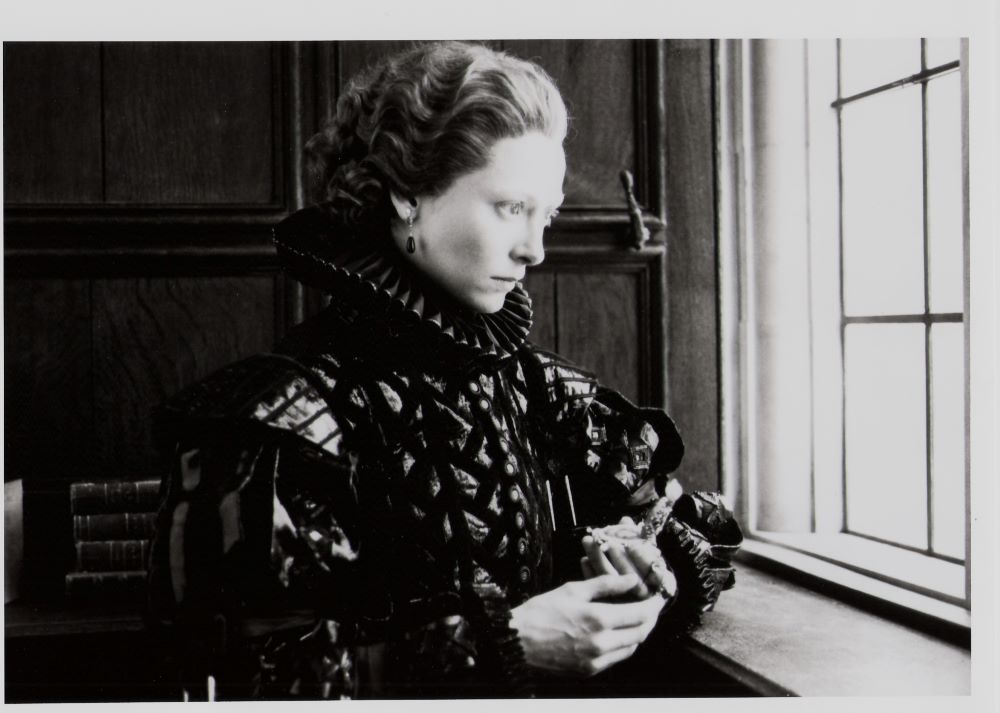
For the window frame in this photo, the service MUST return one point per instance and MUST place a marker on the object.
(739, 76)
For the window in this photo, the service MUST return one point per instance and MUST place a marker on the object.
(843, 217)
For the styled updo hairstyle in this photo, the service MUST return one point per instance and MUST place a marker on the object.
(418, 120)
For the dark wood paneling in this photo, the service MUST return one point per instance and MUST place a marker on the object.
(47, 379)
(215, 125)
(599, 326)
(691, 248)
(152, 337)
(541, 286)
(149, 250)
(190, 123)
(651, 169)
(52, 122)
(597, 81)
(48, 416)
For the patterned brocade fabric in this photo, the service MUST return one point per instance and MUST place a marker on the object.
(356, 514)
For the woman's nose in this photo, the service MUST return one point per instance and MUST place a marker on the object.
(530, 249)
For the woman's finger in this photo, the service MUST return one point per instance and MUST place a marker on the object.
(642, 553)
(651, 567)
(628, 614)
(588, 571)
(609, 640)
(602, 587)
(598, 561)
(662, 580)
(623, 563)
(600, 663)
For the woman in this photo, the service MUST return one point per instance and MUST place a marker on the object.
(385, 505)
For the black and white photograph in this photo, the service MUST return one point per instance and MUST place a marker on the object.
(641, 355)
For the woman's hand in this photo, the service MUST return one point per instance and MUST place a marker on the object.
(622, 551)
(569, 630)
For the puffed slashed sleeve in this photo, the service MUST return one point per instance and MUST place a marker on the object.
(257, 577)
(253, 574)
(615, 459)
(616, 456)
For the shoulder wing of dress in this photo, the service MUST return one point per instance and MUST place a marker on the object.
(305, 225)
(567, 389)
(311, 247)
(273, 396)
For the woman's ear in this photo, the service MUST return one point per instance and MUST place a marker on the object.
(403, 206)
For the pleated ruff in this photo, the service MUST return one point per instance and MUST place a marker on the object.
(324, 255)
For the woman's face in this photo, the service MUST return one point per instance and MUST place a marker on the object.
(477, 237)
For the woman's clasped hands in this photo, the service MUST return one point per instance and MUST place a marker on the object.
(587, 626)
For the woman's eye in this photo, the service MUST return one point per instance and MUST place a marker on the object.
(512, 207)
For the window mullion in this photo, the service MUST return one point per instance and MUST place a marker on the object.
(964, 69)
(824, 286)
(928, 365)
(843, 325)
(919, 78)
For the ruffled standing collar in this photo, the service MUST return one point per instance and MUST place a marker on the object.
(323, 254)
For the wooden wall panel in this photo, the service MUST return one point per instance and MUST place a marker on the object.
(541, 286)
(52, 122)
(48, 403)
(599, 326)
(691, 249)
(48, 416)
(597, 81)
(155, 336)
(190, 123)
(214, 124)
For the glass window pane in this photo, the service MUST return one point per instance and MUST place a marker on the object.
(944, 192)
(885, 432)
(948, 439)
(866, 64)
(882, 163)
(940, 50)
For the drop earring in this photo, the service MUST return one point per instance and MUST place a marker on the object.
(411, 244)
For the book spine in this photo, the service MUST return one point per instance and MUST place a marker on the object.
(128, 587)
(13, 539)
(114, 526)
(112, 556)
(114, 496)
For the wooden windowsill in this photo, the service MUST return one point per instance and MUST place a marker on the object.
(775, 637)
(779, 638)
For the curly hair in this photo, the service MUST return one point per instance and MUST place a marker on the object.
(418, 120)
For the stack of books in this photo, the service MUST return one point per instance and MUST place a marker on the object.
(113, 523)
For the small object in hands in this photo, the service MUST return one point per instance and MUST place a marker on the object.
(656, 518)
(631, 547)
(657, 574)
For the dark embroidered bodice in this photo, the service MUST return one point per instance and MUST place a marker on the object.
(399, 474)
